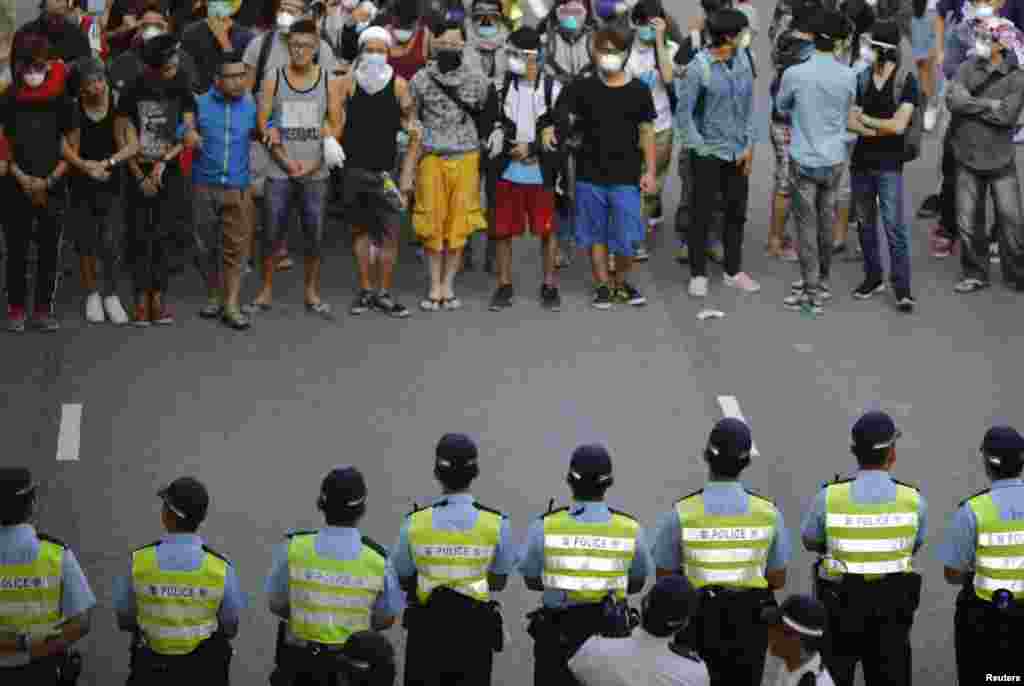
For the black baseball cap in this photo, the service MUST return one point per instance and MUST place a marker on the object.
(828, 24)
(885, 34)
(1003, 446)
(16, 482)
(875, 430)
(344, 486)
(801, 613)
(727, 22)
(455, 452)
(525, 38)
(187, 498)
(730, 439)
(591, 463)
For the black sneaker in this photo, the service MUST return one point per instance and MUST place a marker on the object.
(628, 293)
(363, 303)
(502, 298)
(385, 304)
(550, 299)
(868, 289)
(905, 302)
(602, 297)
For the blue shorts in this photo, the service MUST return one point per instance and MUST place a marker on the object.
(922, 35)
(610, 216)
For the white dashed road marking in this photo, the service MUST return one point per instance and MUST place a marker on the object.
(731, 408)
(69, 438)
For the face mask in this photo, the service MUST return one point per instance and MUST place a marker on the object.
(982, 49)
(984, 12)
(362, 26)
(489, 31)
(34, 79)
(374, 58)
(448, 60)
(744, 42)
(867, 54)
(517, 66)
(151, 32)
(570, 24)
(218, 10)
(611, 63)
(646, 34)
(402, 35)
(285, 20)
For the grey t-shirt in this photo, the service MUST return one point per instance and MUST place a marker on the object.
(278, 56)
(299, 115)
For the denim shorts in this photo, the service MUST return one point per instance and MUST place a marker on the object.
(610, 216)
(922, 35)
(279, 197)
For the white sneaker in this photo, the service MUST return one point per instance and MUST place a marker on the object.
(698, 286)
(94, 309)
(931, 117)
(743, 282)
(115, 312)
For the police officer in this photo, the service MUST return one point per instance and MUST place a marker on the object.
(450, 556)
(868, 528)
(328, 584)
(984, 552)
(45, 599)
(182, 599)
(730, 542)
(585, 558)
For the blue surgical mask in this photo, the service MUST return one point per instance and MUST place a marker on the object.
(487, 31)
(646, 34)
(570, 24)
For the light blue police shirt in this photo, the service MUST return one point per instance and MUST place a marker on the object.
(182, 553)
(817, 94)
(723, 499)
(871, 487)
(335, 543)
(531, 558)
(454, 513)
(957, 550)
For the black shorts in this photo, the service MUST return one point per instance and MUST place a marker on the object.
(373, 203)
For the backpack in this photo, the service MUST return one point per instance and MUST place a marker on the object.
(915, 128)
(261, 62)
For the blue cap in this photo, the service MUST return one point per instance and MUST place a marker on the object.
(1003, 446)
(874, 431)
(344, 486)
(590, 462)
(455, 451)
(801, 613)
(674, 599)
(730, 438)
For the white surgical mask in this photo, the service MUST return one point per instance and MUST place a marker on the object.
(517, 66)
(285, 20)
(867, 54)
(362, 26)
(611, 63)
(982, 49)
(984, 12)
(218, 10)
(34, 79)
(151, 32)
(402, 35)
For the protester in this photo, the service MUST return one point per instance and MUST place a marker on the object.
(208, 40)
(67, 42)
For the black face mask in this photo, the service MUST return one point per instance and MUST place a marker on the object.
(449, 60)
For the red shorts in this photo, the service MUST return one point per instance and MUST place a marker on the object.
(517, 205)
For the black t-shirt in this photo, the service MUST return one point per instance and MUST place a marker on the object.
(884, 153)
(97, 144)
(609, 120)
(156, 108)
(35, 129)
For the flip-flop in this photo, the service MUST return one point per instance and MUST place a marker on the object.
(451, 304)
(257, 308)
(431, 304)
(320, 309)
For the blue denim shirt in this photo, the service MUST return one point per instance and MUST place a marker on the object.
(727, 127)
(225, 127)
(818, 94)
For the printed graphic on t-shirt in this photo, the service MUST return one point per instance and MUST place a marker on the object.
(300, 120)
(156, 129)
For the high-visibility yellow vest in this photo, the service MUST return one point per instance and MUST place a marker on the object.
(177, 610)
(999, 551)
(458, 560)
(30, 593)
(588, 560)
(869, 539)
(726, 550)
(331, 599)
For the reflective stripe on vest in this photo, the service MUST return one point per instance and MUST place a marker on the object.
(588, 560)
(458, 560)
(177, 610)
(725, 550)
(30, 593)
(869, 539)
(999, 553)
(331, 599)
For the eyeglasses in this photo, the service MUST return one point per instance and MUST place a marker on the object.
(525, 55)
(233, 75)
(307, 47)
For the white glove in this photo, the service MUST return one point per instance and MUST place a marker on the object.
(496, 143)
(334, 155)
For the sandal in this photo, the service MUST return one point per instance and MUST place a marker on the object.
(431, 304)
(257, 308)
(320, 309)
(451, 304)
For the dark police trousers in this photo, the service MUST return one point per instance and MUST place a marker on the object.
(451, 640)
(869, 622)
(311, 665)
(209, 665)
(557, 635)
(36, 673)
(987, 639)
(729, 636)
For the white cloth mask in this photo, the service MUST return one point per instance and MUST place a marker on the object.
(517, 65)
(611, 63)
(285, 20)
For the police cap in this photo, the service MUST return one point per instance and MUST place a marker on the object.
(874, 430)
(456, 452)
(590, 463)
(730, 439)
(344, 486)
(1003, 447)
(187, 498)
(16, 482)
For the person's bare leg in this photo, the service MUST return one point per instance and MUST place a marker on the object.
(268, 266)
(549, 254)
(599, 263)
(777, 230)
(386, 259)
(361, 249)
(435, 264)
(926, 76)
(503, 261)
(841, 229)
(452, 265)
(87, 273)
(311, 280)
(623, 265)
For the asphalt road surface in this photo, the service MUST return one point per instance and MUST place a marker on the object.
(261, 416)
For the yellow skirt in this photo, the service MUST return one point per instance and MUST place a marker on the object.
(447, 207)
